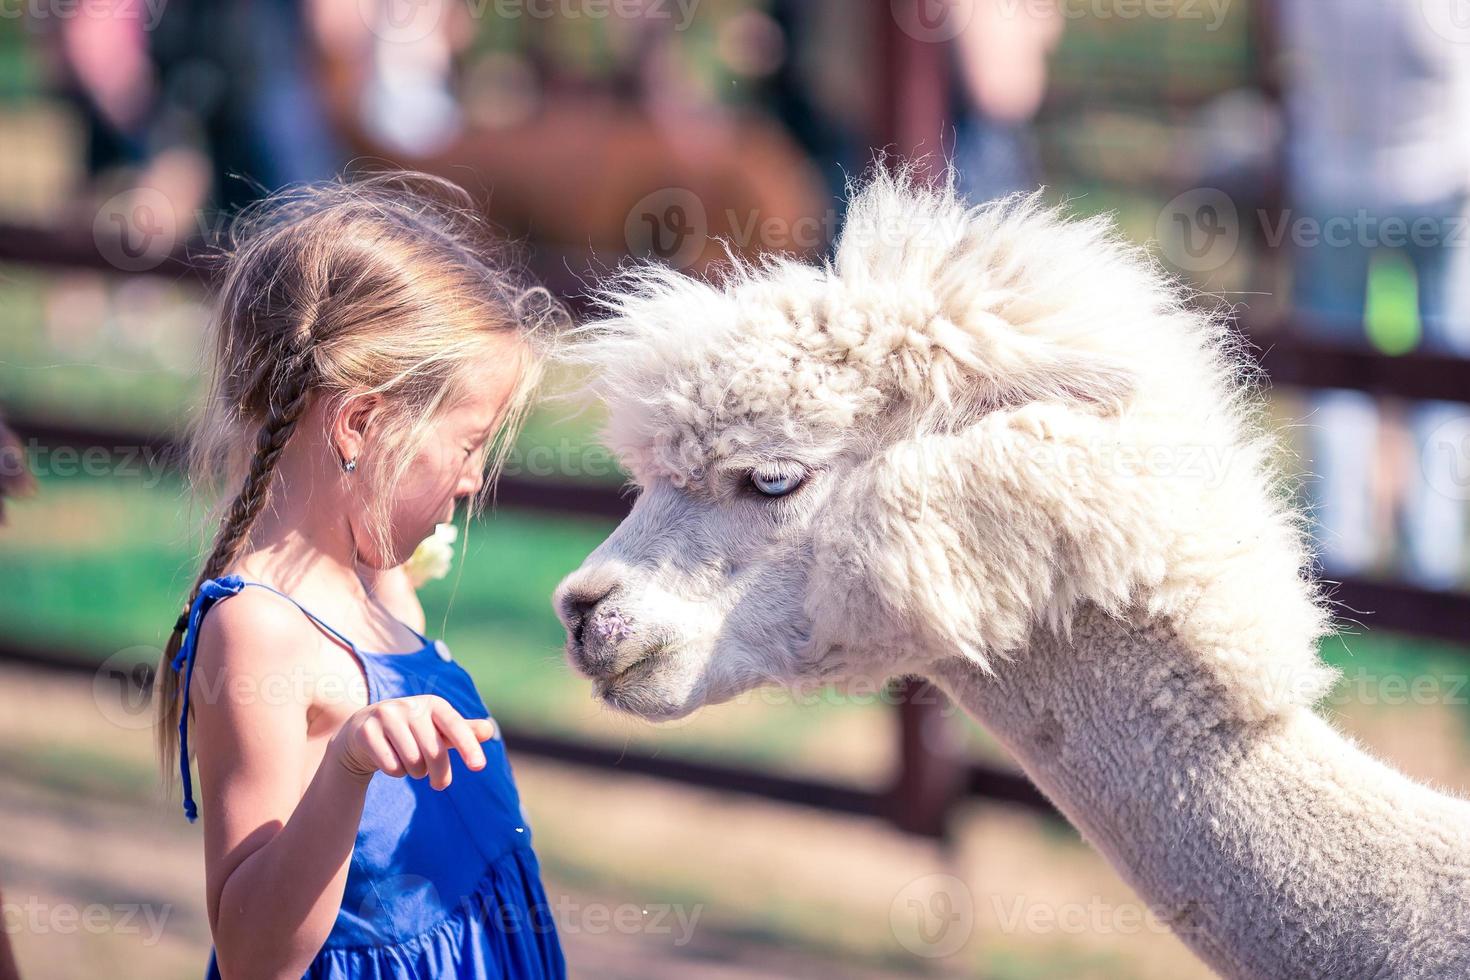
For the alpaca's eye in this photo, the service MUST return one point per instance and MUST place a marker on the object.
(775, 484)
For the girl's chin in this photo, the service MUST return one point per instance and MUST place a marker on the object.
(378, 564)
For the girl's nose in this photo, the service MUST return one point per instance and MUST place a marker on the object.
(471, 481)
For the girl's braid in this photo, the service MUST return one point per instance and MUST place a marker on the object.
(288, 404)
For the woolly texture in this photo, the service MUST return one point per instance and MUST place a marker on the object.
(1029, 470)
(1036, 416)
(1275, 849)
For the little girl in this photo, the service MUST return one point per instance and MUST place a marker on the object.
(365, 356)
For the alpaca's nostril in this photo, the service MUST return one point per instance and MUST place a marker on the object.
(576, 608)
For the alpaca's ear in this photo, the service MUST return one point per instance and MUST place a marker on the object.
(1069, 378)
(991, 369)
(1016, 303)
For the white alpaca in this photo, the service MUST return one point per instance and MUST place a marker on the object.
(996, 448)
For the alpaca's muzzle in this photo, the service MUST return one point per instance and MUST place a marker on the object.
(596, 629)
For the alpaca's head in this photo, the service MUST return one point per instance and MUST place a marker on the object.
(774, 424)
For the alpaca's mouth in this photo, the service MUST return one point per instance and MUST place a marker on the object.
(638, 670)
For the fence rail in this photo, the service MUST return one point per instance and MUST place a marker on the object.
(910, 100)
(1291, 357)
(928, 782)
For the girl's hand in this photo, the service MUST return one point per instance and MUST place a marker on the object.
(410, 737)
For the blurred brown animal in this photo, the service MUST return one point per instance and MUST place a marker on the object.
(604, 174)
(600, 174)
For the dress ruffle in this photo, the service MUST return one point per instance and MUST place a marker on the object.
(503, 929)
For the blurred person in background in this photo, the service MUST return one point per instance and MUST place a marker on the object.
(397, 61)
(1001, 56)
(1377, 156)
(136, 136)
(213, 103)
(806, 87)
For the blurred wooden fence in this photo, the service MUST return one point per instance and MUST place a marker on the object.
(932, 775)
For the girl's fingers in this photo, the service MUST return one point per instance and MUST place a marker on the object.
(413, 736)
(458, 733)
(434, 749)
(380, 750)
(405, 743)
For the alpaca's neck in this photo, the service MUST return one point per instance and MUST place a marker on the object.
(1274, 848)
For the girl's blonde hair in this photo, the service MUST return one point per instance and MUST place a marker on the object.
(382, 286)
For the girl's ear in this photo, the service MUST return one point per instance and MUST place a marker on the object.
(350, 421)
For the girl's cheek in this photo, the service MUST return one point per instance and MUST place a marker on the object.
(421, 496)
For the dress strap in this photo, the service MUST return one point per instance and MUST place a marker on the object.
(311, 616)
(211, 592)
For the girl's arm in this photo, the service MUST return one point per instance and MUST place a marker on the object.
(277, 843)
(276, 851)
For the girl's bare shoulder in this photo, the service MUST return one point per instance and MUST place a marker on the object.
(257, 633)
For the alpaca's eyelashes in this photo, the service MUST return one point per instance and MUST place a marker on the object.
(775, 483)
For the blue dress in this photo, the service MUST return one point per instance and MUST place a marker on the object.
(441, 883)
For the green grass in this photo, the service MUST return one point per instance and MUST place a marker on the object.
(93, 772)
(86, 348)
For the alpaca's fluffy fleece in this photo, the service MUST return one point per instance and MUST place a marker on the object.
(1020, 412)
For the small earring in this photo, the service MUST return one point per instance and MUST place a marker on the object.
(349, 466)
